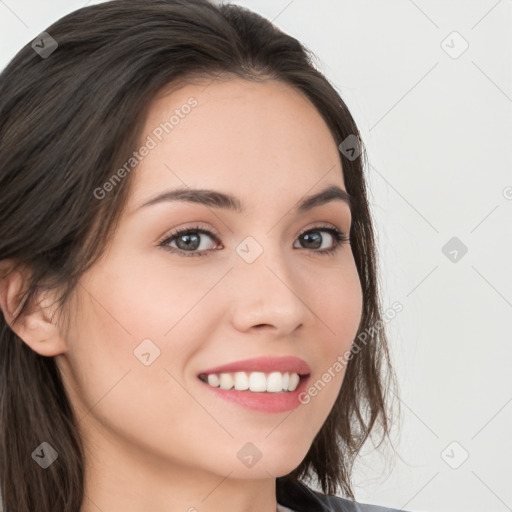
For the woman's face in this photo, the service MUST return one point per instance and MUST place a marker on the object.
(152, 317)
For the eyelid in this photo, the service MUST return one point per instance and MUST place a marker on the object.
(195, 226)
(324, 224)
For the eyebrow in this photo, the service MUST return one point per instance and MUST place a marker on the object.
(216, 199)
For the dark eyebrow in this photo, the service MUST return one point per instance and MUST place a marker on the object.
(217, 199)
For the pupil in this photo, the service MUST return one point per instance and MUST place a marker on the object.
(189, 243)
(313, 236)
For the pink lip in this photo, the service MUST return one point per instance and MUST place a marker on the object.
(265, 365)
(263, 401)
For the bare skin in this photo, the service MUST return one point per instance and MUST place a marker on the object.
(157, 439)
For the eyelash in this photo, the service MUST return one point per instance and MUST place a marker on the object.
(339, 238)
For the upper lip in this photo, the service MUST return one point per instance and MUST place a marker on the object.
(265, 365)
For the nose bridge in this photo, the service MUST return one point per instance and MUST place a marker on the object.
(267, 287)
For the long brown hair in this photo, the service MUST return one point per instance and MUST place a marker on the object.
(68, 120)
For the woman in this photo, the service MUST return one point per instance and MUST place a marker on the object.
(188, 270)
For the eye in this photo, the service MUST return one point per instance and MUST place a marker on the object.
(312, 237)
(189, 240)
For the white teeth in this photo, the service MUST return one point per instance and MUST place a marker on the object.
(257, 381)
(294, 381)
(285, 381)
(274, 382)
(241, 381)
(213, 380)
(226, 381)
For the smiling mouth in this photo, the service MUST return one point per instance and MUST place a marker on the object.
(257, 382)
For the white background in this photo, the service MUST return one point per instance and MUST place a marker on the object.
(437, 126)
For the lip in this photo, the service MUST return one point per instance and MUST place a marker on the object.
(263, 401)
(264, 364)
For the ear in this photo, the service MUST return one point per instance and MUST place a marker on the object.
(36, 326)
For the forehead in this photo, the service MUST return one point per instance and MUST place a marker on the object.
(246, 137)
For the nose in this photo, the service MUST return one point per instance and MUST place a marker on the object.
(268, 295)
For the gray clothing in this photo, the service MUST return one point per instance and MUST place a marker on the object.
(297, 497)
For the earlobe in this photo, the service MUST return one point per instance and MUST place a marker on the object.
(35, 326)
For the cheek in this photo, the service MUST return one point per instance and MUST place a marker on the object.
(149, 320)
(338, 304)
(155, 298)
(108, 377)
(339, 310)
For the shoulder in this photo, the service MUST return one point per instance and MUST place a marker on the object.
(336, 504)
(298, 497)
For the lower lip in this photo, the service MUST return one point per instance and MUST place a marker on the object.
(264, 401)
